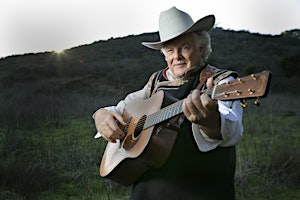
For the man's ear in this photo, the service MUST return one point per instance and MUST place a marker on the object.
(201, 49)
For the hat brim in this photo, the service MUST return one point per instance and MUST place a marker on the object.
(206, 23)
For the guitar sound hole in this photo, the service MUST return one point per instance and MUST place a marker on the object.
(140, 126)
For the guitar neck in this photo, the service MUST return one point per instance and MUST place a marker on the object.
(252, 86)
(167, 112)
(163, 114)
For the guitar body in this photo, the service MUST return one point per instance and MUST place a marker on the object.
(125, 161)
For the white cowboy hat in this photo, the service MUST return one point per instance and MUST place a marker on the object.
(174, 22)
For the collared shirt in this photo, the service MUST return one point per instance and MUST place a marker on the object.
(231, 114)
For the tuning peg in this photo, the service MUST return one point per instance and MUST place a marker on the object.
(256, 102)
(240, 80)
(251, 91)
(254, 76)
(243, 103)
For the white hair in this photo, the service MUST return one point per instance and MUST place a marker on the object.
(202, 39)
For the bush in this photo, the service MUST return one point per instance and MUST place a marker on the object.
(291, 65)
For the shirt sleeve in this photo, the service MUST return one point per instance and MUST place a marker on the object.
(119, 108)
(231, 114)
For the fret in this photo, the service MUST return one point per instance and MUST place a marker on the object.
(167, 112)
(163, 114)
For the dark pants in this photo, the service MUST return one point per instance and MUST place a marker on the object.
(190, 174)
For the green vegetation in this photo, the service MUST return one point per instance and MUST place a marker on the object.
(54, 162)
(62, 161)
(267, 157)
(47, 99)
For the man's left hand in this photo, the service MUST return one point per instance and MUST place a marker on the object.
(202, 110)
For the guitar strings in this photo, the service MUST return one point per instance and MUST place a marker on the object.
(176, 108)
(163, 114)
(168, 111)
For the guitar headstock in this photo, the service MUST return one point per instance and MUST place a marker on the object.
(248, 87)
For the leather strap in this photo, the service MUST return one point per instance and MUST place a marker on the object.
(217, 74)
(149, 84)
(207, 72)
(222, 75)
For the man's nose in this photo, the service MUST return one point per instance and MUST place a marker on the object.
(178, 54)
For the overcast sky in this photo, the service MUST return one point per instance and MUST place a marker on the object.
(30, 26)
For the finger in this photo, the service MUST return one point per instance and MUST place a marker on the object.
(109, 139)
(111, 136)
(119, 118)
(193, 114)
(185, 110)
(207, 102)
(106, 129)
(112, 140)
(210, 83)
(196, 108)
(196, 101)
(190, 105)
(115, 131)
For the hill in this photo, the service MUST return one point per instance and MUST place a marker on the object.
(89, 76)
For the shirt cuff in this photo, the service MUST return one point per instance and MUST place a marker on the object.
(98, 135)
(204, 143)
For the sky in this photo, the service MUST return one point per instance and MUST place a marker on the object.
(32, 26)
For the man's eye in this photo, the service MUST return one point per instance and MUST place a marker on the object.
(186, 48)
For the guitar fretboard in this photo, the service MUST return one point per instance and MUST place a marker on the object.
(166, 113)
(163, 114)
(254, 85)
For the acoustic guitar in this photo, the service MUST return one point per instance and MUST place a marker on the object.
(143, 148)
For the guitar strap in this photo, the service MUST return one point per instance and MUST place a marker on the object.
(217, 74)
(150, 84)
(208, 71)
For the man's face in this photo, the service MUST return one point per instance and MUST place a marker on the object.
(181, 54)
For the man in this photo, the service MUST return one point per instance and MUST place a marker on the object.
(201, 164)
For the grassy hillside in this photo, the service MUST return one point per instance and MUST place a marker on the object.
(47, 99)
(103, 72)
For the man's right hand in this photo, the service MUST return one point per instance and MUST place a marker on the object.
(107, 124)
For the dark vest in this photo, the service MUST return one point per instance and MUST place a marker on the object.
(188, 173)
